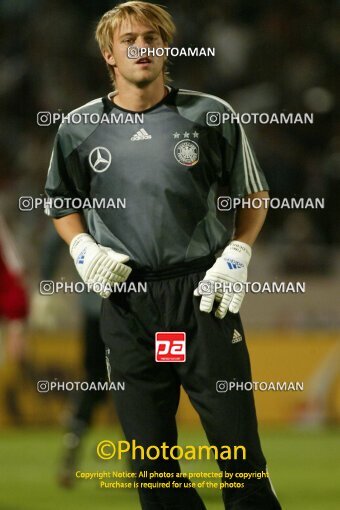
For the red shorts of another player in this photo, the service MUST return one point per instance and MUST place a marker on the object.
(13, 297)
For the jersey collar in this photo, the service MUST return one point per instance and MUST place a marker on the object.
(168, 99)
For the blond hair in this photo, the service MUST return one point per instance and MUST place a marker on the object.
(143, 12)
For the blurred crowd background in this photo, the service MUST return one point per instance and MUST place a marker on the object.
(277, 56)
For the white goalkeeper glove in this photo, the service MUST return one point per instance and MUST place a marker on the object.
(98, 265)
(219, 281)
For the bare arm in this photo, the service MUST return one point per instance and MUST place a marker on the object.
(249, 220)
(70, 226)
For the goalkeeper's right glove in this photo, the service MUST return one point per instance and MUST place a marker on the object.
(98, 265)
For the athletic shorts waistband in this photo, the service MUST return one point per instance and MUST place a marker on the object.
(180, 269)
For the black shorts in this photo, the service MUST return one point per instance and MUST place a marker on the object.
(215, 351)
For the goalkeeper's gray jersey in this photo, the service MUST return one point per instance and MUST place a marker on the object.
(157, 173)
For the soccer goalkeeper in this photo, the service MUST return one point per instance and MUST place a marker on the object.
(168, 168)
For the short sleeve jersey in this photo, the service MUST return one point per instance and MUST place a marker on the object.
(161, 168)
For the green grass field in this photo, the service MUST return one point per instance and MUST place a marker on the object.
(304, 468)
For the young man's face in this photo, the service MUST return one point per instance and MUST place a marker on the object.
(142, 70)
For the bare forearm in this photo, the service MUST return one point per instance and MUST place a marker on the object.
(69, 226)
(249, 221)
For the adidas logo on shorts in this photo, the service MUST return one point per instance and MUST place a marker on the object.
(141, 135)
(237, 337)
(108, 364)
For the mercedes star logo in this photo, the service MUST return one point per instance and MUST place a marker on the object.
(100, 159)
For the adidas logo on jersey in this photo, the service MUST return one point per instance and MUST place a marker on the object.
(237, 337)
(233, 264)
(141, 135)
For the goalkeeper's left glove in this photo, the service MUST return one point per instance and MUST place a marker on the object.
(217, 285)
